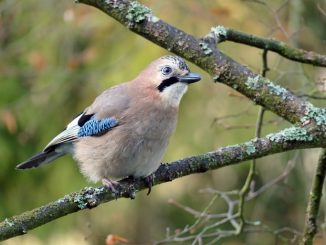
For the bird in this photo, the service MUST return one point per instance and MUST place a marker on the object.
(126, 130)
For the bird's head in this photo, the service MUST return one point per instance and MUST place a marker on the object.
(169, 77)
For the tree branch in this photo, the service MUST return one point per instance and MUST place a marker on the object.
(203, 52)
(283, 49)
(90, 197)
(310, 229)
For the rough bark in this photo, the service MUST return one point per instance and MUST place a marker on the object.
(91, 197)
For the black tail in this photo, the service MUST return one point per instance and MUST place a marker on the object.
(40, 159)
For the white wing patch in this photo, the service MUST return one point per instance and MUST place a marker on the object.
(68, 135)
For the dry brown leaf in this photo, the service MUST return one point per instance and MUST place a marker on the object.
(74, 62)
(112, 239)
(37, 60)
(9, 120)
(88, 55)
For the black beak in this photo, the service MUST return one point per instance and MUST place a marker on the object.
(189, 78)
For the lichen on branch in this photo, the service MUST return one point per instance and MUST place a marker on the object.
(91, 197)
(221, 34)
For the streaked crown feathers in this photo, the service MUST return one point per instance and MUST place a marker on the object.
(177, 61)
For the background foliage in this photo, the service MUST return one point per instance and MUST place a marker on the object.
(56, 56)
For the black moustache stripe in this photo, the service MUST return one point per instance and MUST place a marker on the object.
(166, 83)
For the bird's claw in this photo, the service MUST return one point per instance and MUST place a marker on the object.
(111, 185)
(149, 181)
(117, 189)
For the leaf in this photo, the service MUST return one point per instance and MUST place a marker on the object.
(37, 60)
(112, 239)
(9, 120)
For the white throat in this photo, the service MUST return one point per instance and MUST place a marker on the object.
(173, 94)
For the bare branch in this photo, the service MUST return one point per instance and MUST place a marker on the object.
(283, 49)
(321, 10)
(310, 229)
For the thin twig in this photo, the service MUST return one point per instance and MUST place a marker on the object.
(321, 10)
(290, 165)
(310, 228)
(252, 171)
(279, 47)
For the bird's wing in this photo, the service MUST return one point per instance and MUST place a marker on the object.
(82, 126)
(69, 134)
(96, 119)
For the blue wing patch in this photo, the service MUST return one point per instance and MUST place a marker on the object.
(95, 127)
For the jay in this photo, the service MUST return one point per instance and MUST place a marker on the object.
(126, 130)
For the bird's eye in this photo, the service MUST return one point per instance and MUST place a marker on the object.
(166, 70)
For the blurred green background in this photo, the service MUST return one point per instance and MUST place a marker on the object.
(57, 56)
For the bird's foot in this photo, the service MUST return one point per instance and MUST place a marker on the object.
(111, 185)
(149, 181)
(119, 189)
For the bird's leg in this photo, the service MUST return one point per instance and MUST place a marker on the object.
(149, 181)
(112, 185)
(117, 188)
